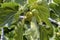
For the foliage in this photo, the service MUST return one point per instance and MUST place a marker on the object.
(30, 19)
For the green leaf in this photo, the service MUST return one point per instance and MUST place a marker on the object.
(57, 1)
(16, 18)
(1, 1)
(53, 15)
(56, 8)
(10, 5)
(5, 15)
(42, 12)
(43, 33)
(19, 31)
(22, 2)
(7, 10)
(7, 0)
(49, 31)
(31, 1)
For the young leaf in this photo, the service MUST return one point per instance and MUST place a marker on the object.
(43, 12)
